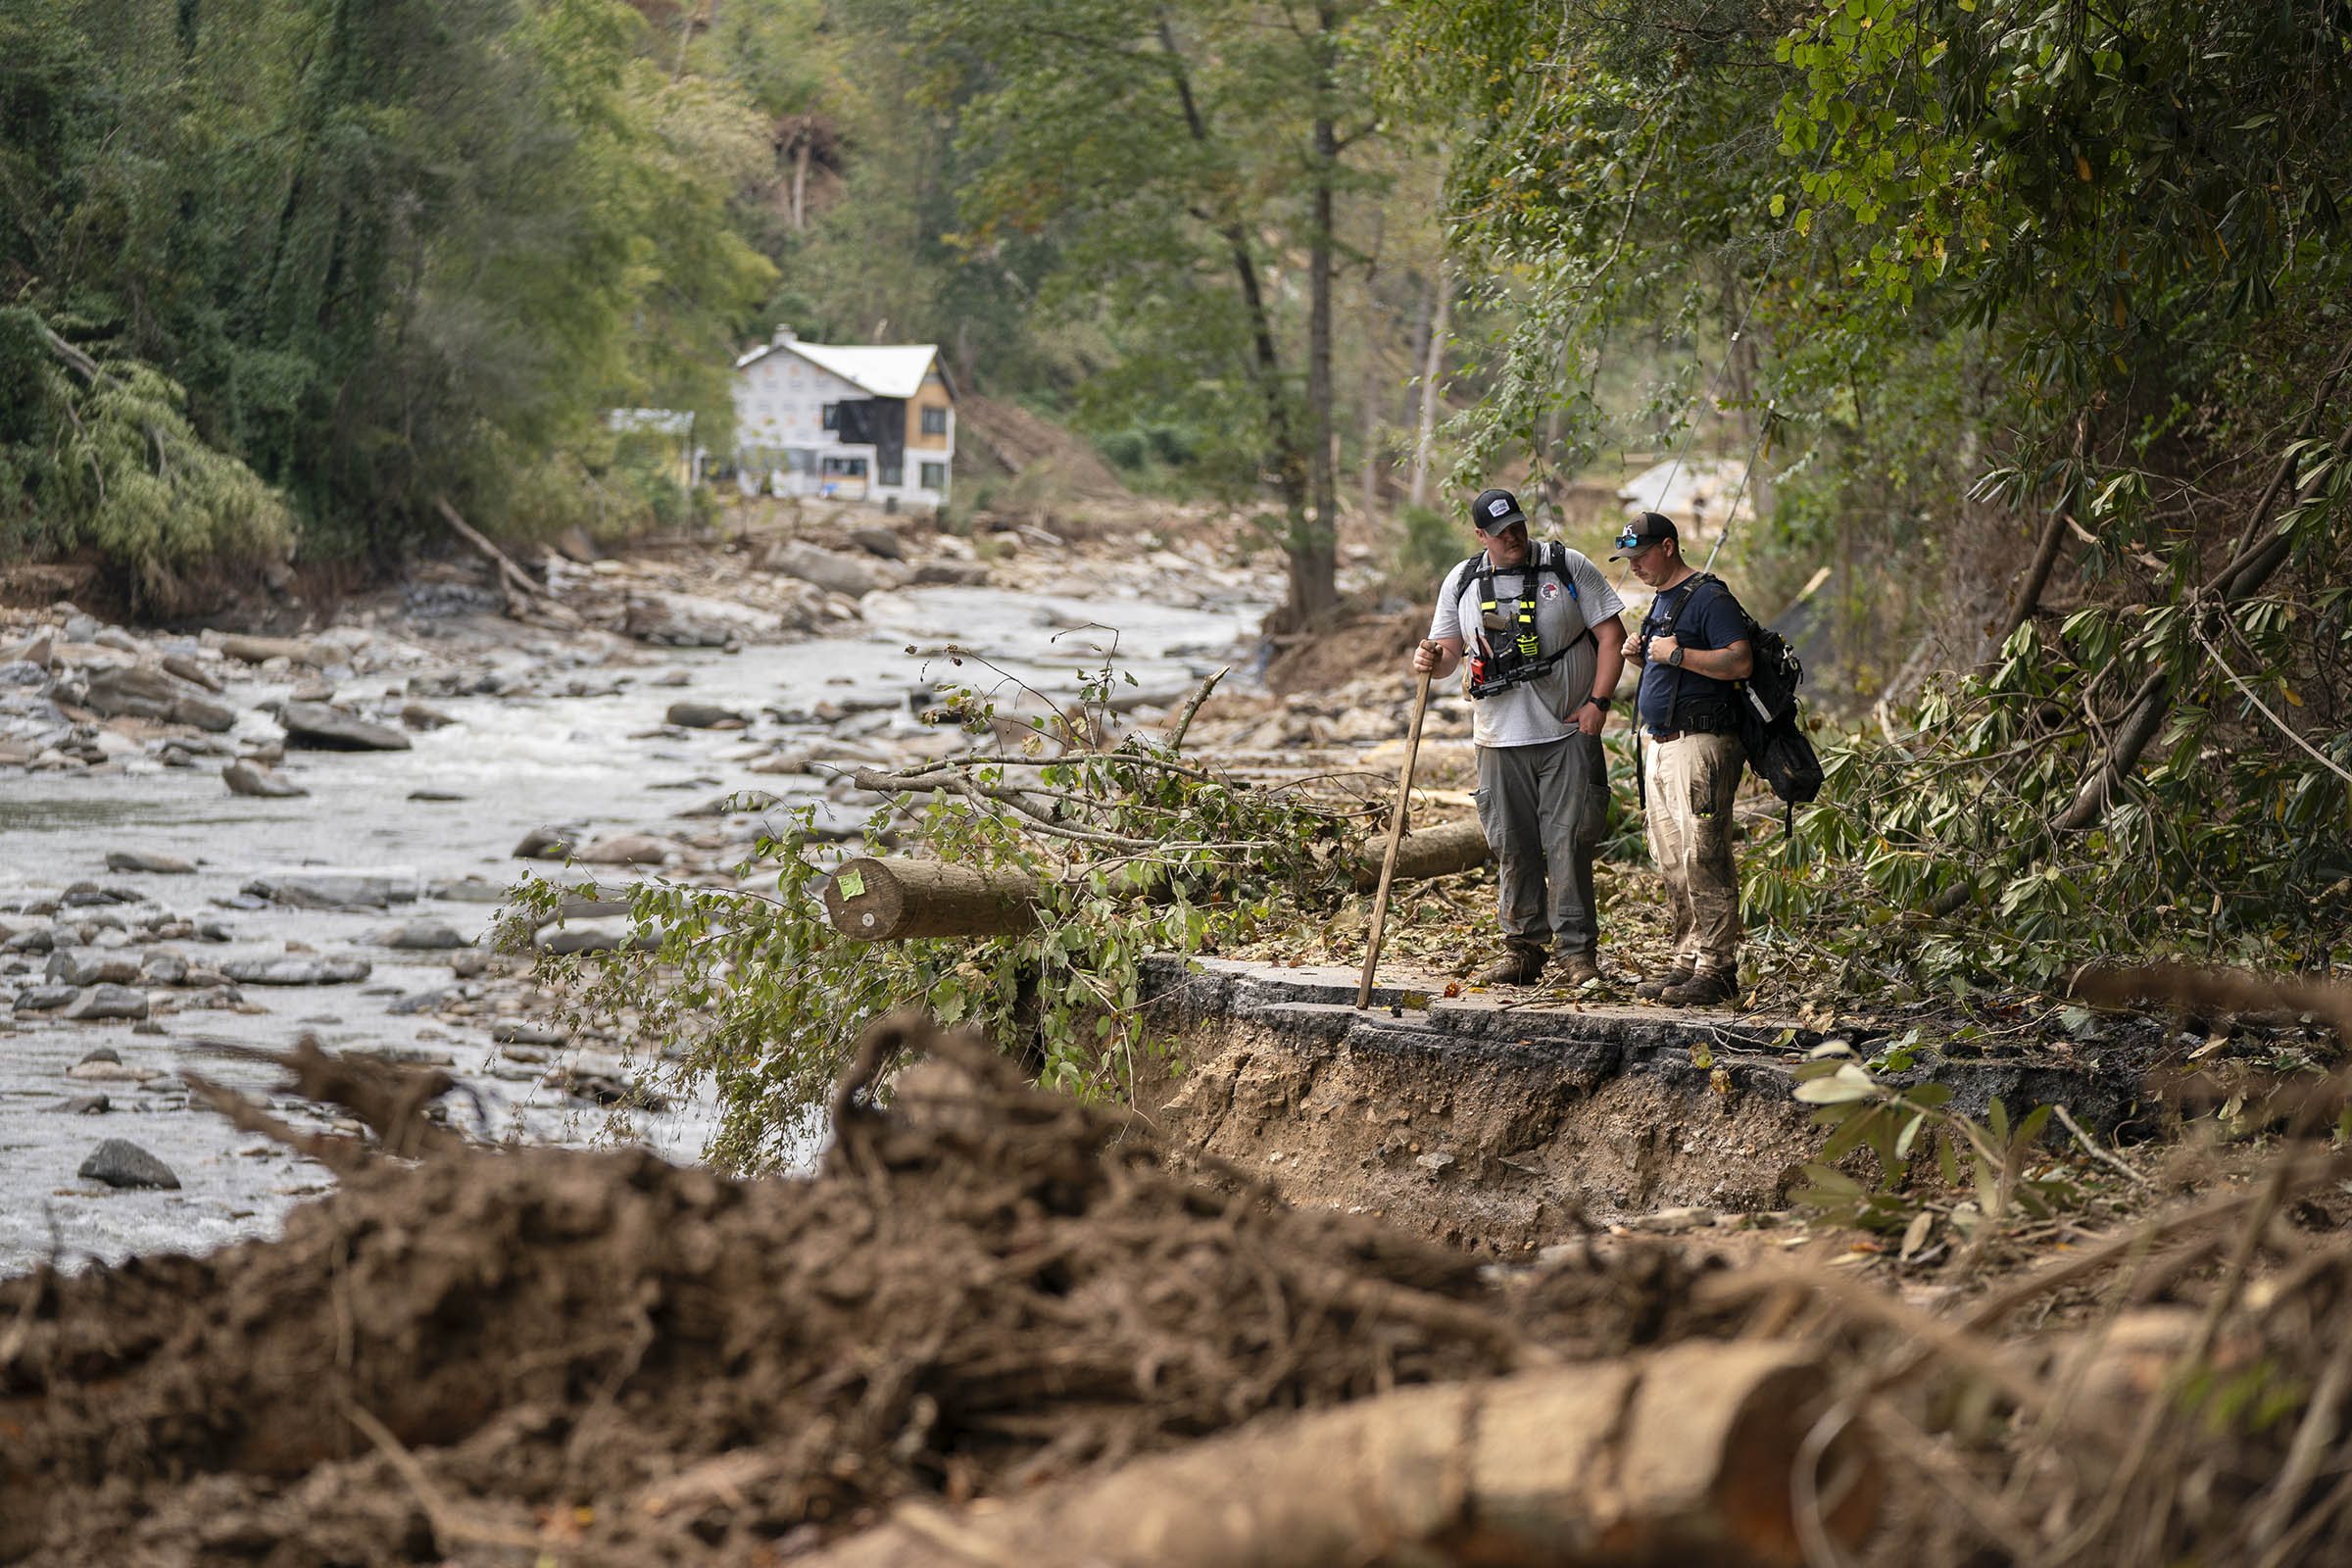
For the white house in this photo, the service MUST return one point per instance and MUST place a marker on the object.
(864, 422)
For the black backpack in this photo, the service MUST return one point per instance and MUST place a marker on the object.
(1771, 723)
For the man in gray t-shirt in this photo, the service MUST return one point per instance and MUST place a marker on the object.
(1538, 624)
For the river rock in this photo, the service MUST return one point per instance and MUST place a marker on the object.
(544, 844)
(82, 1105)
(150, 862)
(108, 1001)
(416, 716)
(251, 778)
(630, 848)
(87, 966)
(826, 568)
(952, 574)
(730, 804)
(526, 1034)
(333, 887)
(164, 968)
(472, 890)
(145, 691)
(649, 620)
(574, 546)
(878, 542)
(421, 1002)
(589, 936)
(429, 936)
(324, 728)
(469, 965)
(704, 716)
(45, 999)
(119, 1162)
(260, 650)
(297, 969)
(39, 649)
(194, 673)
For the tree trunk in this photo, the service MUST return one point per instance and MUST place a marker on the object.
(1370, 475)
(1289, 458)
(902, 900)
(1314, 561)
(1432, 363)
(799, 180)
(1680, 1457)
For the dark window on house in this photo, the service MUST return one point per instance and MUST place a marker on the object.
(934, 475)
(893, 473)
(830, 419)
(935, 422)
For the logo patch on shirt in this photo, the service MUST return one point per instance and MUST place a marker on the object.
(1550, 588)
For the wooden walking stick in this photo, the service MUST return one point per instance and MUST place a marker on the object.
(1387, 864)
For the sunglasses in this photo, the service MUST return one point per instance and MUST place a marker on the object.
(1630, 540)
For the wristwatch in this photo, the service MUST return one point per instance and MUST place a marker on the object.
(1675, 659)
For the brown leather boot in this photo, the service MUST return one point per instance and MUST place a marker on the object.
(1519, 966)
(1579, 967)
(1705, 987)
(1657, 984)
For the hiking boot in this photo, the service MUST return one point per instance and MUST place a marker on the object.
(1702, 988)
(1579, 967)
(1518, 966)
(1657, 984)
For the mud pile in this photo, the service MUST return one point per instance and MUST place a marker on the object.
(985, 1287)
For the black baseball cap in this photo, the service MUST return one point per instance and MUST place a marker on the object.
(1649, 528)
(1495, 511)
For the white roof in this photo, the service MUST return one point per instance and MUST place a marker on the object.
(886, 370)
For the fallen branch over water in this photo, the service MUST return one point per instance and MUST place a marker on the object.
(900, 899)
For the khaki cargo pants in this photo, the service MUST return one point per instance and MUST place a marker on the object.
(1689, 783)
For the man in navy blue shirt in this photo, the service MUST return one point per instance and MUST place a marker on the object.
(1691, 649)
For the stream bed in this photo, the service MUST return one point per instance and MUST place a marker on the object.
(441, 821)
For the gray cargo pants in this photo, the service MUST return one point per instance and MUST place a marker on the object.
(1690, 783)
(1544, 808)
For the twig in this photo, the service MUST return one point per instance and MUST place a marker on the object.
(448, 1525)
(2247, 691)
(2091, 1148)
(1183, 720)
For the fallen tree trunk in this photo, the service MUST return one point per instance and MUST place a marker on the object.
(1683, 1456)
(900, 900)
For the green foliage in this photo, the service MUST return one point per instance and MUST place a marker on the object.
(1431, 547)
(102, 455)
(1135, 852)
(389, 250)
(1993, 1162)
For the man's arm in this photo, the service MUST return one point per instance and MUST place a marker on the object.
(1735, 663)
(1608, 663)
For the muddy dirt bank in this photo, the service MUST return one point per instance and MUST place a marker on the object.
(1498, 1120)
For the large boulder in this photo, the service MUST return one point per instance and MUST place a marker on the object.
(119, 1162)
(952, 574)
(702, 715)
(148, 860)
(146, 691)
(330, 887)
(322, 728)
(251, 778)
(297, 969)
(877, 541)
(630, 848)
(89, 966)
(260, 650)
(827, 568)
(425, 936)
(108, 1001)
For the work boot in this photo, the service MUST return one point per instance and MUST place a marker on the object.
(1657, 984)
(1702, 988)
(1519, 966)
(1578, 967)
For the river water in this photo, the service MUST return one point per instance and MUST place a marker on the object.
(606, 763)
